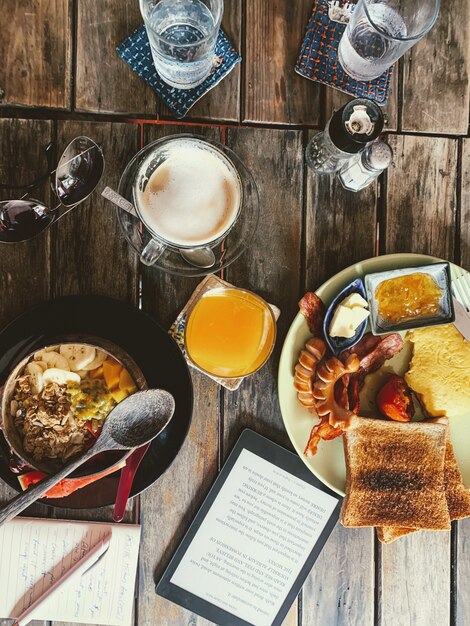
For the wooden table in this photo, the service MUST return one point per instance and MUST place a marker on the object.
(60, 77)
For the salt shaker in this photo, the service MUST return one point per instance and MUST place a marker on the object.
(350, 128)
(365, 167)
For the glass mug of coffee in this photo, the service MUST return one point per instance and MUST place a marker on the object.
(188, 194)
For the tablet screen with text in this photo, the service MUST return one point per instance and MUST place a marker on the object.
(255, 538)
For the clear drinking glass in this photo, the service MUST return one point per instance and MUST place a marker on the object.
(379, 33)
(182, 35)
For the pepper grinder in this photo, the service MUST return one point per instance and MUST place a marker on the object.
(362, 169)
(348, 131)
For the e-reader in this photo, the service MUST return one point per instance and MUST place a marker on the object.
(255, 538)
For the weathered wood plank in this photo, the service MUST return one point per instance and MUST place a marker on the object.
(340, 588)
(405, 563)
(24, 267)
(465, 206)
(436, 86)
(35, 48)
(340, 230)
(421, 196)
(91, 254)
(167, 508)
(420, 205)
(341, 226)
(222, 103)
(462, 565)
(104, 83)
(10, 622)
(335, 99)
(164, 295)
(90, 251)
(273, 91)
(270, 268)
(21, 284)
(462, 572)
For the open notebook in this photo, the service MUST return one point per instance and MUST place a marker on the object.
(34, 552)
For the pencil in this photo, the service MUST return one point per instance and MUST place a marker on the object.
(77, 568)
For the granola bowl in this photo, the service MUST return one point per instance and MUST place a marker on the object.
(56, 399)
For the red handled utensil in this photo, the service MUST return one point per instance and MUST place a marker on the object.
(126, 480)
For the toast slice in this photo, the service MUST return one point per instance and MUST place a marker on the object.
(387, 534)
(457, 496)
(395, 475)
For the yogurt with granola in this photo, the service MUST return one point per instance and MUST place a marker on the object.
(62, 397)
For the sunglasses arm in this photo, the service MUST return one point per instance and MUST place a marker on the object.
(61, 215)
(39, 181)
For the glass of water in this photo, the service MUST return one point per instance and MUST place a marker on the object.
(182, 35)
(379, 33)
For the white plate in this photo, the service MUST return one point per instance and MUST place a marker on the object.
(328, 463)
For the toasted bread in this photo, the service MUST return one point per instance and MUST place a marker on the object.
(387, 534)
(395, 475)
(457, 497)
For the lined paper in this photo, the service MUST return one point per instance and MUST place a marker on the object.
(35, 552)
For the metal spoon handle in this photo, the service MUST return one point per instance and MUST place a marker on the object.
(118, 200)
(23, 500)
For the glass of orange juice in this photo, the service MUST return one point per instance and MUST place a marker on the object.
(230, 332)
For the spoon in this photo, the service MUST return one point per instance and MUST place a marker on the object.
(133, 422)
(199, 257)
(125, 482)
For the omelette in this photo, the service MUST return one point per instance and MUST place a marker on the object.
(439, 370)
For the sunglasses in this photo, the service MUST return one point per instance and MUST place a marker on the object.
(78, 172)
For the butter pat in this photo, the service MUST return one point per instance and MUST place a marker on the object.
(348, 316)
(355, 300)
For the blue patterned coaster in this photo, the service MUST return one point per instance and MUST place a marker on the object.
(135, 51)
(318, 59)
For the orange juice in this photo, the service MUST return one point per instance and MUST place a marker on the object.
(230, 332)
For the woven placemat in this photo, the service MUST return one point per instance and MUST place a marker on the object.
(318, 58)
(135, 51)
(178, 327)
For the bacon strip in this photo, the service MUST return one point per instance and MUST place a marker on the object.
(313, 309)
(323, 430)
(372, 353)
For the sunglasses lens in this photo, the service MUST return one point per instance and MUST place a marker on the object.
(22, 219)
(79, 171)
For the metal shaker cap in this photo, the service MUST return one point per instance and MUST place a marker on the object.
(357, 123)
(378, 155)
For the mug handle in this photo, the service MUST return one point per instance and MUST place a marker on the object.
(152, 252)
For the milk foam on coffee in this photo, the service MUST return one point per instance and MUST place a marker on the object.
(193, 197)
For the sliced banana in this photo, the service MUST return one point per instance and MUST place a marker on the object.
(35, 373)
(52, 359)
(61, 377)
(39, 353)
(78, 355)
(42, 365)
(99, 359)
(83, 373)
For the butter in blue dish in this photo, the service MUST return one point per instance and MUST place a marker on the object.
(347, 315)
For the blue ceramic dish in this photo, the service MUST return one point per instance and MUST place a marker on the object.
(338, 344)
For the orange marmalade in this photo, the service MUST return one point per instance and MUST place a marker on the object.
(230, 332)
(407, 297)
